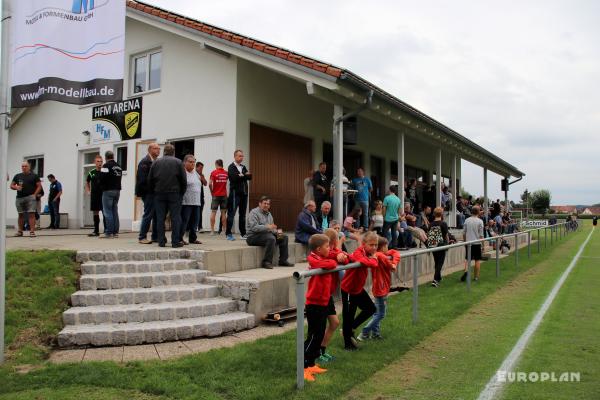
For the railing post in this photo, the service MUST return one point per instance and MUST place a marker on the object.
(551, 235)
(545, 237)
(538, 241)
(415, 304)
(469, 267)
(300, 333)
(516, 250)
(528, 244)
(497, 257)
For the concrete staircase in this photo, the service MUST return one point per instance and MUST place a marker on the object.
(148, 296)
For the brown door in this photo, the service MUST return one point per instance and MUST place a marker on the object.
(279, 162)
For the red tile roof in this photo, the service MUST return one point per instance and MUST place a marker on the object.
(238, 39)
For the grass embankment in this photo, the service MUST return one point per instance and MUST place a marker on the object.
(38, 286)
(265, 369)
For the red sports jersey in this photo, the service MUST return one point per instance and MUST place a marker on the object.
(335, 279)
(319, 286)
(219, 182)
(382, 275)
(354, 279)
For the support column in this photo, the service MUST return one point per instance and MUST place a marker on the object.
(401, 168)
(438, 178)
(486, 206)
(455, 191)
(506, 205)
(338, 163)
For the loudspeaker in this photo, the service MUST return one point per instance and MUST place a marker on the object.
(504, 185)
(351, 131)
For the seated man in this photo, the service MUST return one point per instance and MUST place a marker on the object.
(405, 240)
(263, 232)
(411, 221)
(324, 217)
(306, 224)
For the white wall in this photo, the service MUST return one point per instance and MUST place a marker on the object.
(197, 97)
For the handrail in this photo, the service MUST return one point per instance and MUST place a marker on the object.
(559, 230)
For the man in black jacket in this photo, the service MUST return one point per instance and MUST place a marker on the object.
(167, 180)
(238, 194)
(110, 181)
(141, 190)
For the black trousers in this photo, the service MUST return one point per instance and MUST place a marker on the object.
(170, 202)
(350, 303)
(438, 259)
(317, 322)
(237, 201)
(268, 241)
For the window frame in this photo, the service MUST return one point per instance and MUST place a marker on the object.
(36, 157)
(132, 69)
(117, 158)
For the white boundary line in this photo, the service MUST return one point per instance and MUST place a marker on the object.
(494, 386)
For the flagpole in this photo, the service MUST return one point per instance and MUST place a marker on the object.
(4, 128)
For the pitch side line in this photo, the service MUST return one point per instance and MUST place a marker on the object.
(494, 385)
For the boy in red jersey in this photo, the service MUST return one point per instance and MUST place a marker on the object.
(317, 299)
(353, 293)
(381, 288)
(335, 253)
(218, 190)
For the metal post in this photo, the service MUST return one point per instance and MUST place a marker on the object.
(469, 267)
(497, 257)
(400, 171)
(338, 162)
(538, 240)
(415, 304)
(300, 333)
(551, 235)
(4, 128)
(516, 249)
(528, 244)
(545, 237)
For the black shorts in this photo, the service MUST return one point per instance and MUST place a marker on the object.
(331, 307)
(96, 202)
(475, 252)
(218, 202)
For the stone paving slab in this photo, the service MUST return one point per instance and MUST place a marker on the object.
(142, 352)
(67, 356)
(172, 350)
(104, 354)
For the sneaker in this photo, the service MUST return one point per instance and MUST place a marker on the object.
(376, 336)
(32, 234)
(351, 348)
(144, 241)
(230, 237)
(323, 359)
(463, 277)
(308, 375)
(93, 234)
(399, 289)
(285, 264)
(213, 233)
(107, 237)
(476, 279)
(362, 337)
(244, 237)
(328, 356)
(316, 369)
(267, 265)
(435, 283)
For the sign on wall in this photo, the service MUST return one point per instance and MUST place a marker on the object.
(70, 51)
(117, 121)
(538, 223)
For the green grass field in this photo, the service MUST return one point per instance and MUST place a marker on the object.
(460, 340)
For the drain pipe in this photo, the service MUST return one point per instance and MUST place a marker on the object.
(338, 153)
(506, 193)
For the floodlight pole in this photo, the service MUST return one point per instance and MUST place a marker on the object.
(4, 128)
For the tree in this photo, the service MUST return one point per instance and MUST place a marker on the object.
(464, 194)
(540, 201)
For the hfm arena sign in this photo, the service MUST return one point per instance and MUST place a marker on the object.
(117, 121)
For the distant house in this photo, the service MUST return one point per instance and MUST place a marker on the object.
(591, 211)
(564, 209)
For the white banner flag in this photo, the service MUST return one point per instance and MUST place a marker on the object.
(70, 51)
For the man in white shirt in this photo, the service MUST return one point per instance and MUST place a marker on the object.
(473, 230)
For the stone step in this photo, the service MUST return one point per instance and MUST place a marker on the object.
(138, 255)
(143, 280)
(133, 267)
(148, 312)
(153, 332)
(154, 295)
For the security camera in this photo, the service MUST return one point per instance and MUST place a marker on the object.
(85, 133)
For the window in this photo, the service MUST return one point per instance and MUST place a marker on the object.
(121, 155)
(146, 71)
(90, 158)
(37, 165)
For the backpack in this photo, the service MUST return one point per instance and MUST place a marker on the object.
(434, 236)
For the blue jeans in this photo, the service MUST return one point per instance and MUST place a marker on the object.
(170, 202)
(54, 211)
(364, 206)
(148, 217)
(374, 324)
(189, 221)
(394, 227)
(110, 209)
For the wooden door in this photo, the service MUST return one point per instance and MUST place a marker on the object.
(279, 162)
